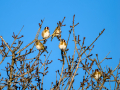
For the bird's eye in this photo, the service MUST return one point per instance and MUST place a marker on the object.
(47, 27)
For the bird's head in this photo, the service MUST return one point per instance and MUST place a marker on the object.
(37, 42)
(63, 40)
(46, 28)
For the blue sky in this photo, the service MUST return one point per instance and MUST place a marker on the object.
(93, 16)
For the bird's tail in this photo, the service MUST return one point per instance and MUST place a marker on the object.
(45, 49)
(62, 54)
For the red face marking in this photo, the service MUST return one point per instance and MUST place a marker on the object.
(46, 28)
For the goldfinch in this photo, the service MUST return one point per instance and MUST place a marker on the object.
(45, 33)
(62, 44)
(40, 46)
(97, 74)
(56, 33)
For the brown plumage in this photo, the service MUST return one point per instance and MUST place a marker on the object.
(45, 33)
(62, 44)
(96, 74)
(56, 33)
(40, 46)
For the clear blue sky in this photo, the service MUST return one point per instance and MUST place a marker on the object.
(93, 16)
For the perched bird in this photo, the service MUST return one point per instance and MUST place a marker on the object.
(56, 33)
(45, 33)
(97, 74)
(62, 44)
(40, 46)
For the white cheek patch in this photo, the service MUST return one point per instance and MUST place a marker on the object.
(47, 34)
(38, 47)
(63, 46)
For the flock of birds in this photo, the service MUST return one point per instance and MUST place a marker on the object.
(46, 34)
(62, 44)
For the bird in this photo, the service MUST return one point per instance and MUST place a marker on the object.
(97, 74)
(40, 46)
(57, 32)
(45, 33)
(62, 44)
